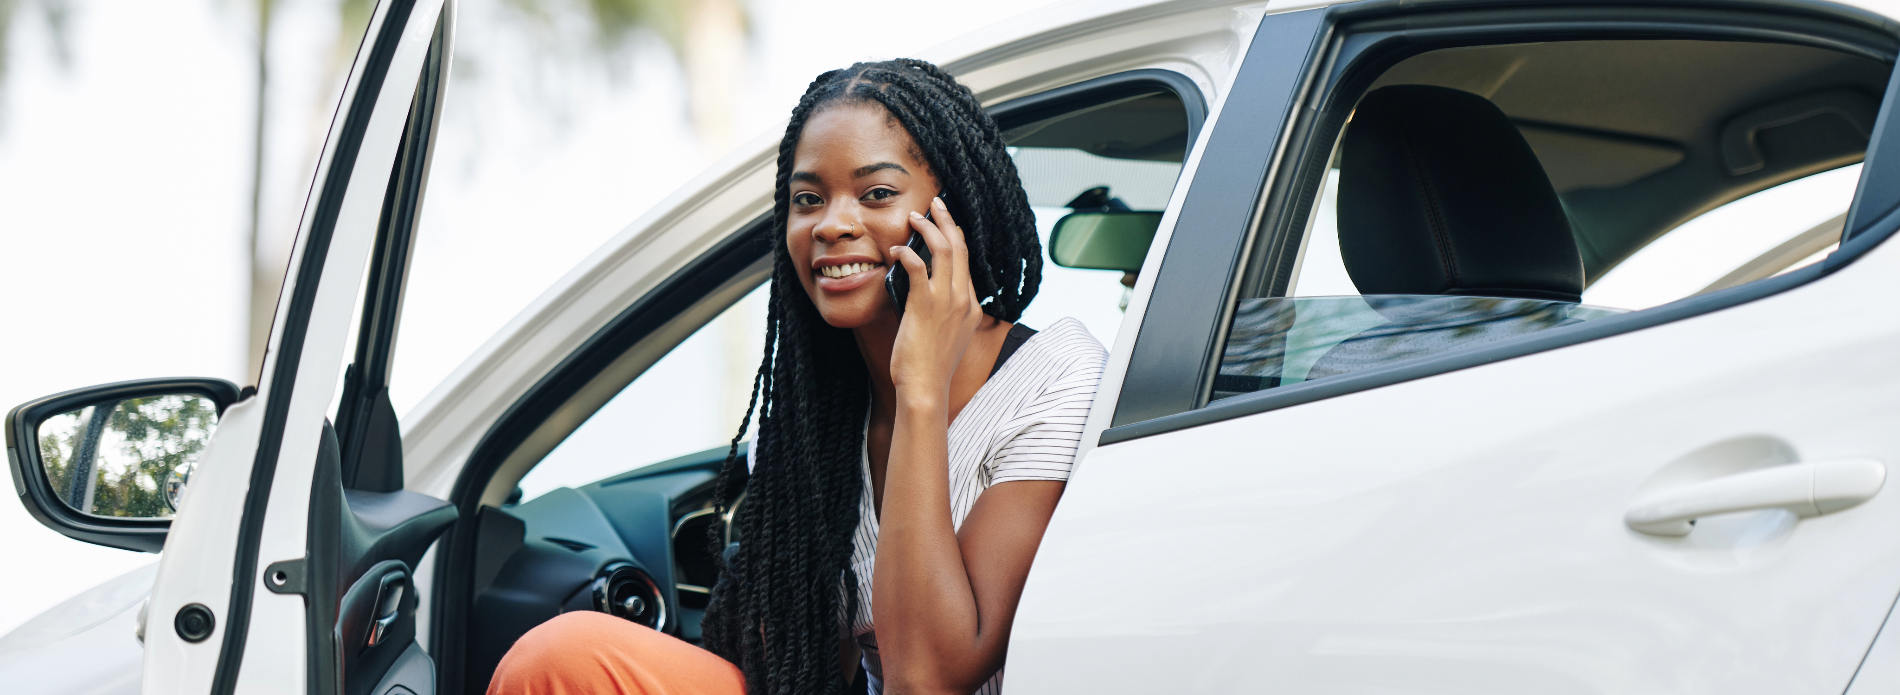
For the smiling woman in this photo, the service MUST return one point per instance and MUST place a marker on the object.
(934, 443)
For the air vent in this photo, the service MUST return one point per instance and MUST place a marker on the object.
(624, 590)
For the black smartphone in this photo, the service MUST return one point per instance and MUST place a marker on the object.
(897, 281)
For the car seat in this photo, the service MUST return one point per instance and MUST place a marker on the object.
(1441, 197)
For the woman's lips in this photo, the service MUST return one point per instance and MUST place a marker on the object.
(864, 273)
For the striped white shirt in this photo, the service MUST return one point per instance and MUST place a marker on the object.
(1025, 423)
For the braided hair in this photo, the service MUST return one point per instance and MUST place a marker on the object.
(787, 594)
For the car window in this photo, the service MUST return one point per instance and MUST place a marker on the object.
(689, 401)
(1105, 159)
(1479, 195)
(1783, 228)
(1117, 161)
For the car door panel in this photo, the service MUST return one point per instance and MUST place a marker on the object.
(364, 546)
(280, 619)
(253, 488)
(196, 566)
(1458, 524)
(1465, 532)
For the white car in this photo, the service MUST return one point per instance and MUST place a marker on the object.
(1451, 364)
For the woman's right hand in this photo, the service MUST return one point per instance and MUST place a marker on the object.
(941, 313)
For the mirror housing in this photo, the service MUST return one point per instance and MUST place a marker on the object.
(1103, 239)
(40, 492)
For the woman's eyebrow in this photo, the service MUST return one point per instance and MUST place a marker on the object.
(861, 172)
(870, 169)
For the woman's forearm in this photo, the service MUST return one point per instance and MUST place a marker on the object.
(928, 623)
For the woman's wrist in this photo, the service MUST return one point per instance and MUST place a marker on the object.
(922, 400)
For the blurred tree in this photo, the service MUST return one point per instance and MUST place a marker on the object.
(53, 12)
(151, 439)
(706, 36)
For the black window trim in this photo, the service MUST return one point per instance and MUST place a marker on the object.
(1360, 40)
(1106, 89)
(681, 292)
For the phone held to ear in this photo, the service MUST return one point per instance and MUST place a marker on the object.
(897, 281)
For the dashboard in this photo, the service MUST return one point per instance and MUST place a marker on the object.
(635, 545)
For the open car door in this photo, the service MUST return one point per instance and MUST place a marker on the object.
(288, 568)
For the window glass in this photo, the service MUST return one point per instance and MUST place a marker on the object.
(1281, 341)
(1056, 177)
(1628, 136)
(1122, 157)
(1689, 260)
(1116, 161)
(1801, 220)
(1326, 327)
(689, 401)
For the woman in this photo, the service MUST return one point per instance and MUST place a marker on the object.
(932, 446)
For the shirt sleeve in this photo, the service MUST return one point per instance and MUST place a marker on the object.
(1045, 448)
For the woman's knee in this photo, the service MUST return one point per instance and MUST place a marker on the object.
(597, 653)
(560, 645)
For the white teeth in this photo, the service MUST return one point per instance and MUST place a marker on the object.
(846, 270)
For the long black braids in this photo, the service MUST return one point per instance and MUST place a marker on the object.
(787, 594)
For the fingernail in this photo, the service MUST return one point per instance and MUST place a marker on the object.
(938, 201)
(916, 214)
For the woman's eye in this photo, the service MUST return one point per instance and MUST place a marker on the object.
(805, 199)
(879, 194)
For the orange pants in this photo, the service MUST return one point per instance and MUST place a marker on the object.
(585, 653)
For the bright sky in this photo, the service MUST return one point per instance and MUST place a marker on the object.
(123, 193)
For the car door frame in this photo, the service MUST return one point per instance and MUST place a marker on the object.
(1250, 197)
(225, 522)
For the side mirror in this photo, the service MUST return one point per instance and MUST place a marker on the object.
(1103, 240)
(109, 464)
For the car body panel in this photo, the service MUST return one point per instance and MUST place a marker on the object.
(88, 644)
(1416, 543)
(1372, 543)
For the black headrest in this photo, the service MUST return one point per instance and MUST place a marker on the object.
(1439, 194)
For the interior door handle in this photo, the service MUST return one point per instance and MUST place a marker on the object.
(1807, 489)
(388, 606)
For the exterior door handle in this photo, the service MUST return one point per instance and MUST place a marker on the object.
(1807, 489)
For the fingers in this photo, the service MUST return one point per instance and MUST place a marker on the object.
(932, 233)
(960, 254)
(912, 264)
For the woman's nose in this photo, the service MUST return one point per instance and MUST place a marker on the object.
(836, 227)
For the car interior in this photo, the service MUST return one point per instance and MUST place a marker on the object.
(639, 544)
(1481, 190)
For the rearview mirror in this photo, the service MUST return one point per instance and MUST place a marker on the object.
(1104, 240)
(110, 464)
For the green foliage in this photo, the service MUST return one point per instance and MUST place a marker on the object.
(160, 435)
(145, 441)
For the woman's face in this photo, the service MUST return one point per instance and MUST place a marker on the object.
(855, 181)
